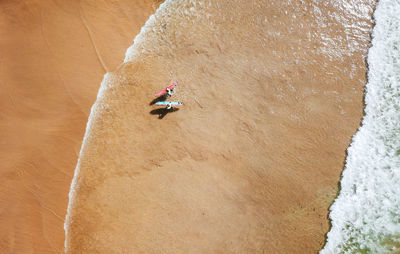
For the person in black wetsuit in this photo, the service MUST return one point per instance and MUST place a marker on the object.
(170, 92)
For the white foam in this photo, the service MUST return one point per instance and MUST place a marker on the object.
(366, 214)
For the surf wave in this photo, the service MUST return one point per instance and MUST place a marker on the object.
(366, 214)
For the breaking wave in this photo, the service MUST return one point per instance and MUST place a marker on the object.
(366, 215)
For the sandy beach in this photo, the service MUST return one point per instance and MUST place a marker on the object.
(273, 93)
(53, 56)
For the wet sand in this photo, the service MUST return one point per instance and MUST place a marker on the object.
(273, 94)
(53, 55)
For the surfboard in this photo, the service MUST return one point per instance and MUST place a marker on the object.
(165, 90)
(173, 103)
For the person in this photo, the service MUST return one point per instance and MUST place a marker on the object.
(170, 92)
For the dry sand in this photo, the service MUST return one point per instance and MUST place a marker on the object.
(53, 55)
(273, 93)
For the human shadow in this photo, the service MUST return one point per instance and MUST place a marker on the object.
(161, 98)
(161, 112)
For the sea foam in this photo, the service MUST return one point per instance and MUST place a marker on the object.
(366, 215)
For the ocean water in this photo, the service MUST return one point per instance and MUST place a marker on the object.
(366, 214)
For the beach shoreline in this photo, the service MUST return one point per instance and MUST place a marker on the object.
(196, 189)
(251, 163)
(53, 57)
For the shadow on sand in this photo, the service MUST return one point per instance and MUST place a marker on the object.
(161, 112)
(161, 98)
